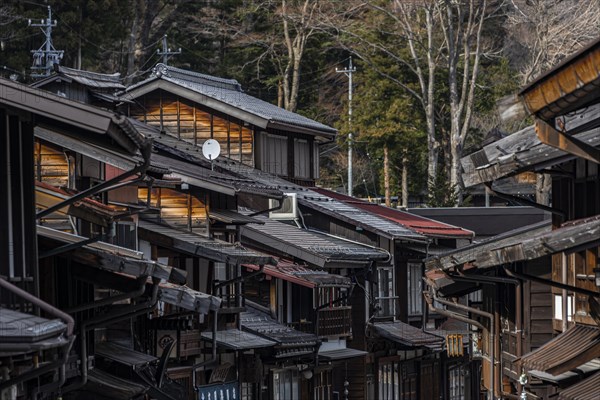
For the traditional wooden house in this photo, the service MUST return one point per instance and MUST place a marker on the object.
(58, 270)
(540, 319)
(195, 107)
(84, 86)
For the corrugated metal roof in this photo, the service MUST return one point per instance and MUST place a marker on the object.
(312, 247)
(229, 92)
(567, 351)
(407, 335)
(302, 275)
(231, 217)
(327, 205)
(422, 225)
(341, 354)
(587, 389)
(201, 246)
(186, 160)
(124, 355)
(238, 340)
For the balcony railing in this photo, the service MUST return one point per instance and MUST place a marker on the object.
(335, 321)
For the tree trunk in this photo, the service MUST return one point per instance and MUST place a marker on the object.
(404, 182)
(279, 94)
(386, 176)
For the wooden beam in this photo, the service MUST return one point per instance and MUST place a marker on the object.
(565, 142)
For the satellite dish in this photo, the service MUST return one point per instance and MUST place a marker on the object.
(211, 149)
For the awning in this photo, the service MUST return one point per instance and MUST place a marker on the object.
(407, 335)
(289, 342)
(113, 258)
(341, 354)
(302, 275)
(584, 369)
(187, 298)
(112, 386)
(47, 196)
(235, 339)
(201, 246)
(123, 355)
(587, 389)
(567, 351)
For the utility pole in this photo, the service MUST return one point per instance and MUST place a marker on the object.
(348, 72)
(46, 56)
(166, 51)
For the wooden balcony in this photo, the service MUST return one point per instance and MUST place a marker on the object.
(335, 321)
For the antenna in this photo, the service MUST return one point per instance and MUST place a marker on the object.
(166, 51)
(46, 56)
(211, 150)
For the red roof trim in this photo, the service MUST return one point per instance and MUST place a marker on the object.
(422, 225)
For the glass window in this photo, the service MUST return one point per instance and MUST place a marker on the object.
(415, 289)
(286, 384)
(386, 291)
(456, 383)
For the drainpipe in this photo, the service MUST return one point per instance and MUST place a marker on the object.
(492, 331)
(128, 312)
(494, 280)
(146, 150)
(565, 303)
(141, 288)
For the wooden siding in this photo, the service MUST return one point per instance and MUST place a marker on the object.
(51, 165)
(195, 124)
(537, 305)
(181, 210)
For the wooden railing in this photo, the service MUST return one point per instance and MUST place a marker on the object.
(335, 321)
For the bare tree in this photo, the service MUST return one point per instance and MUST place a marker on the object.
(543, 32)
(431, 36)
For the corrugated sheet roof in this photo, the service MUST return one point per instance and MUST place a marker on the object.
(201, 246)
(238, 340)
(578, 345)
(229, 91)
(313, 247)
(422, 225)
(587, 389)
(341, 354)
(301, 275)
(407, 335)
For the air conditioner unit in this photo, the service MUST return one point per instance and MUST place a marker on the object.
(289, 209)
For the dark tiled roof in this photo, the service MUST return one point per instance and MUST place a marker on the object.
(201, 246)
(185, 159)
(290, 342)
(313, 247)
(229, 92)
(302, 275)
(422, 225)
(327, 205)
(93, 80)
(407, 335)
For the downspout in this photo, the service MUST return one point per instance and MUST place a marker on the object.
(492, 331)
(141, 288)
(127, 313)
(213, 358)
(494, 280)
(565, 299)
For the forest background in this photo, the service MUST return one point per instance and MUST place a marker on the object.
(427, 81)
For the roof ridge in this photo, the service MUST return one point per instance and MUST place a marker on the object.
(166, 70)
(114, 77)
